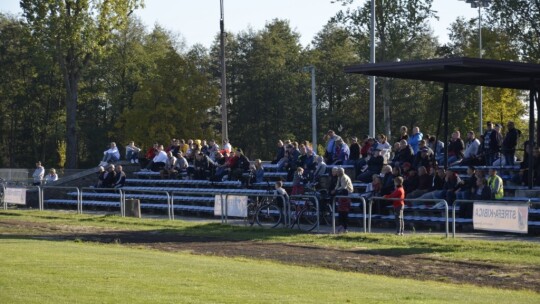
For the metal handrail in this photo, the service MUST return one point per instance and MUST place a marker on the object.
(118, 190)
(528, 201)
(124, 195)
(213, 193)
(42, 194)
(352, 198)
(4, 204)
(414, 200)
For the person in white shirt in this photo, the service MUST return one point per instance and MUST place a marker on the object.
(158, 162)
(111, 155)
(52, 176)
(132, 153)
(227, 146)
(38, 175)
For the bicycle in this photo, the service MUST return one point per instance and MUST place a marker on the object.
(255, 204)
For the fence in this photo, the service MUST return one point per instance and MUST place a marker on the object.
(414, 200)
(362, 199)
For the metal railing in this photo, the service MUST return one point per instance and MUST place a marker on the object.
(115, 190)
(172, 193)
(447, 224)
(364, 215)
(42, 194)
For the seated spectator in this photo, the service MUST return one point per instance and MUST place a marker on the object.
(52, 176)
(158, 162)
(436, 146)
(387, 177)
(310, 163)
(472, 150)
(404, 155)
(241, 166)
(425, 182)
(455, 149)
(411, 182)
(373, 166)
(109, 179)
(149, 156)
(169, 170)
(374, 188)
(120, 177)
(132, 153)
(388, 187)
(280, 153)
(111, 155)
(38, 174)
(354, 151)
(181, 165)
(101, 177)
(257, 172)
(227, 146)
(384, 146)
(213, 149)
(465, 188)
(481, 191)
(415, 138)
(202, 167)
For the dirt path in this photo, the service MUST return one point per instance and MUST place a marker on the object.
(388, 263)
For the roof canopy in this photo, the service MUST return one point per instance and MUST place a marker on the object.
(468, 71)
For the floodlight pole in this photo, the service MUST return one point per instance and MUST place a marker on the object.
(311, 69)
(224, 122)
(372, 78)
(480, 93)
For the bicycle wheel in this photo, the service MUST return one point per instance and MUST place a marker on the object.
(251, 213)
(308, 218)
(326, 215)
(269, 216)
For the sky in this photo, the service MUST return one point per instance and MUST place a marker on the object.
(197, 21)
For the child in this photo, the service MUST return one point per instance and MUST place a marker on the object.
(281, 192)
(398, 204)
(298, 182)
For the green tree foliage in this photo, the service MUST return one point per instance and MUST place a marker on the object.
(402, 33)
(75, 31)
(173, 102)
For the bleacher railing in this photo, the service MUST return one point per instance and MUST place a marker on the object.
(183, 193)
(42, 194)
(115, 190)
(447, 224)
(352, 198)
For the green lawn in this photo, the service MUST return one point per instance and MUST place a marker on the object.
(507, 252)
(41, 271)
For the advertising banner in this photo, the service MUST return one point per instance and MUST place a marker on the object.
(501, 217)
(236, 205)
(15, 196)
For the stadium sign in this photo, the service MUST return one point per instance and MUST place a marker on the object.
(507, 217)
(236, 205)
(15, 196)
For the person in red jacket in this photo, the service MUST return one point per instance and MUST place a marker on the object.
(398, 205)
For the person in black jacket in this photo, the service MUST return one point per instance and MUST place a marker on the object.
(120, 178)
(509, 143)
(109, 177)
(241, 165)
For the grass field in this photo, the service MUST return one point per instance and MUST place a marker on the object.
(37, 269)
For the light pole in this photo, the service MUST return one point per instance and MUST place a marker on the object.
(372, 78)
(479, 4)
(311, 69)
(224, 123)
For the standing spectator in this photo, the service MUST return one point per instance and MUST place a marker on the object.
(258, 173)
(38, 175)
(110, 155)
(415, 138)
(384, 146)
(298, 182)
(120, 177)
(495, 182)
(280, 152)
(398, 205)
(403, 133)
(330, 138)
(491, 146)
(344, 187)
(509, 143)
(52, 176)
(132, 153)
(354, 151)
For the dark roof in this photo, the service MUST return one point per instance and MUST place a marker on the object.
(468, 71)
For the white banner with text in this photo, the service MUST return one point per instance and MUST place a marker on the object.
(236, 205)
(501, 217)
(15, 196)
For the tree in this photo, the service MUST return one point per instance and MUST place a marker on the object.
(75, 31)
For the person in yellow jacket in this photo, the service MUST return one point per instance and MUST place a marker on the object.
(495, 182)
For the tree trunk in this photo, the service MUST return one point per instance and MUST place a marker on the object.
(72, 84)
